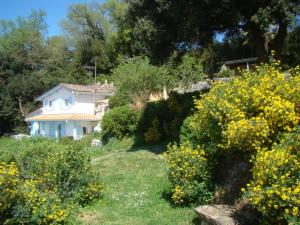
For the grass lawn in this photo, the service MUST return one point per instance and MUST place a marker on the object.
(135, 183)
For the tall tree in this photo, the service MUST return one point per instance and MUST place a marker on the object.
(88, 31)
(165, 25)
(22, 53)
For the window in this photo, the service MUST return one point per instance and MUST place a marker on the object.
(68, 102)
(84, 130)
(50, 104)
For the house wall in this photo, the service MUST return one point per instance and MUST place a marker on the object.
(83, 103)
(58, 102)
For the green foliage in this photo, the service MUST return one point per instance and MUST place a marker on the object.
(120, 122)
(224, 73)
(191, 26)
(162, 120)
(43, 181)
(136, 79)
(120, 98)
(189, 174)
(187, 133)
(153, 135)
(189, 71)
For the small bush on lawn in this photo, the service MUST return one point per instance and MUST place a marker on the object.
(189, 174)
(43, 181)
(120, 122)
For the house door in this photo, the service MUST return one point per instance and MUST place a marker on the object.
(59, 131)
(84, 130)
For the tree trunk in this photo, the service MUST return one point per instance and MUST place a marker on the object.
(280, 38)
(20, 106)
(260, 41)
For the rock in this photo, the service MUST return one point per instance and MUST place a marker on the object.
(96, 142)
(216, 214)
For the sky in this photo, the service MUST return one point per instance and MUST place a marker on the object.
(56, 10)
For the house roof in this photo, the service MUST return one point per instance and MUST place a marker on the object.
(63, 117)
(105, 89)
(93, 88)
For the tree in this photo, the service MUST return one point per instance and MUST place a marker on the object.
(136, 79)
(88, 32)
(291, 51)
(183, 25)
(22, 53)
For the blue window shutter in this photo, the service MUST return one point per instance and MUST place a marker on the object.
(63, 129)
(69, 101)
(51, 129)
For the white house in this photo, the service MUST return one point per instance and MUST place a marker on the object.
(70, 110)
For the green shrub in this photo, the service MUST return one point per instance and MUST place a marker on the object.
(42, 181)
(189, 174)
(187, 134)
(120, 98)
(168, 116)
(224, 73)
(153, 135)
(137, 78)
(120, 122)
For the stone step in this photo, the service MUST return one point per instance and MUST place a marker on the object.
(216, 215)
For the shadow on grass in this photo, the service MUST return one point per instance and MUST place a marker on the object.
(157, 149)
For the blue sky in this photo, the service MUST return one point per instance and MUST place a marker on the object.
(56, 10)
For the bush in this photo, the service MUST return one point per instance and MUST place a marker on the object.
(249, 112)
(42, 181)
(120, 122)
(189, 174)
(187, 134)
(163, 119)
(137, 78)
(153, 135)
(224, 73)
(247, 116)
(120, 98)
(275, 187)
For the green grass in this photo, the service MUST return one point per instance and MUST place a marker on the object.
(135, 186)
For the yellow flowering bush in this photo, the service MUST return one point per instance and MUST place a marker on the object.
(246, 134)
(275, 187)
(37, 206)
(9, 181)
(45, 182)
(248, 112)
(254, 117)
(188, 173)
